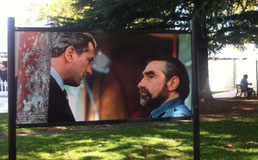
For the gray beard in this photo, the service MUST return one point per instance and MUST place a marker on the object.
(148, 101)
(145, 100)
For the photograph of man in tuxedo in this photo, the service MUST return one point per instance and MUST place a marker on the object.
(72, 54)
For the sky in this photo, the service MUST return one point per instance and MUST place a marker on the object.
(19, 9)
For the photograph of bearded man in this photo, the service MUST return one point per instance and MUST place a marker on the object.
(164, 87)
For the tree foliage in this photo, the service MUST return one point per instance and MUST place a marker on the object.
(223, 22)
(63, 10)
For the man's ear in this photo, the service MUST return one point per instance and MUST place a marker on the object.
(173, 83)
(69, 54)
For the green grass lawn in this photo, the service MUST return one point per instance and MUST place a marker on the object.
(227, 138)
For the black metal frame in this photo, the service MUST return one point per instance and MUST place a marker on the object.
(11, 92)
(12, 88)
(96, 30)
(60, 29)
(195, 98)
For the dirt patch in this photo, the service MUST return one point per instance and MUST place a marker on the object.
(225, 107)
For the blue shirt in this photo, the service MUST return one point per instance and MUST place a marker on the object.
(173, 108)
(57, 77)
(244, 81)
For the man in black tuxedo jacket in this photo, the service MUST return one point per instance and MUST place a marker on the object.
(72, 54)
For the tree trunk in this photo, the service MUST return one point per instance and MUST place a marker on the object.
(204, 85)
(202, 51)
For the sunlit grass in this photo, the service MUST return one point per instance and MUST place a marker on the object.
(143, 142)
(227, 138)
(230, 138)
(3, 123)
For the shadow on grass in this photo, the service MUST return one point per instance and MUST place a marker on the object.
(234, 138)
(231, 138)
(3, 123)
(145, 142)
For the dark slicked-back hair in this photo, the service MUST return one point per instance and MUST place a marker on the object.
(62, 40)
(174, 67)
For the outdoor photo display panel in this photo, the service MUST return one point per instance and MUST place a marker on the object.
(111, 92)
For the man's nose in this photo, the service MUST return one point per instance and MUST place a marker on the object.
(141, 84)
(89, 70)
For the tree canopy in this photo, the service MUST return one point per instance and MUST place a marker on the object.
(223, 22)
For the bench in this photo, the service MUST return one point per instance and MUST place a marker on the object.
(242, 89)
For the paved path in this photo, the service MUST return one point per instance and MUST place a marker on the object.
(4, 100)
(229, 94)
(3, 104)
(98, 128)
